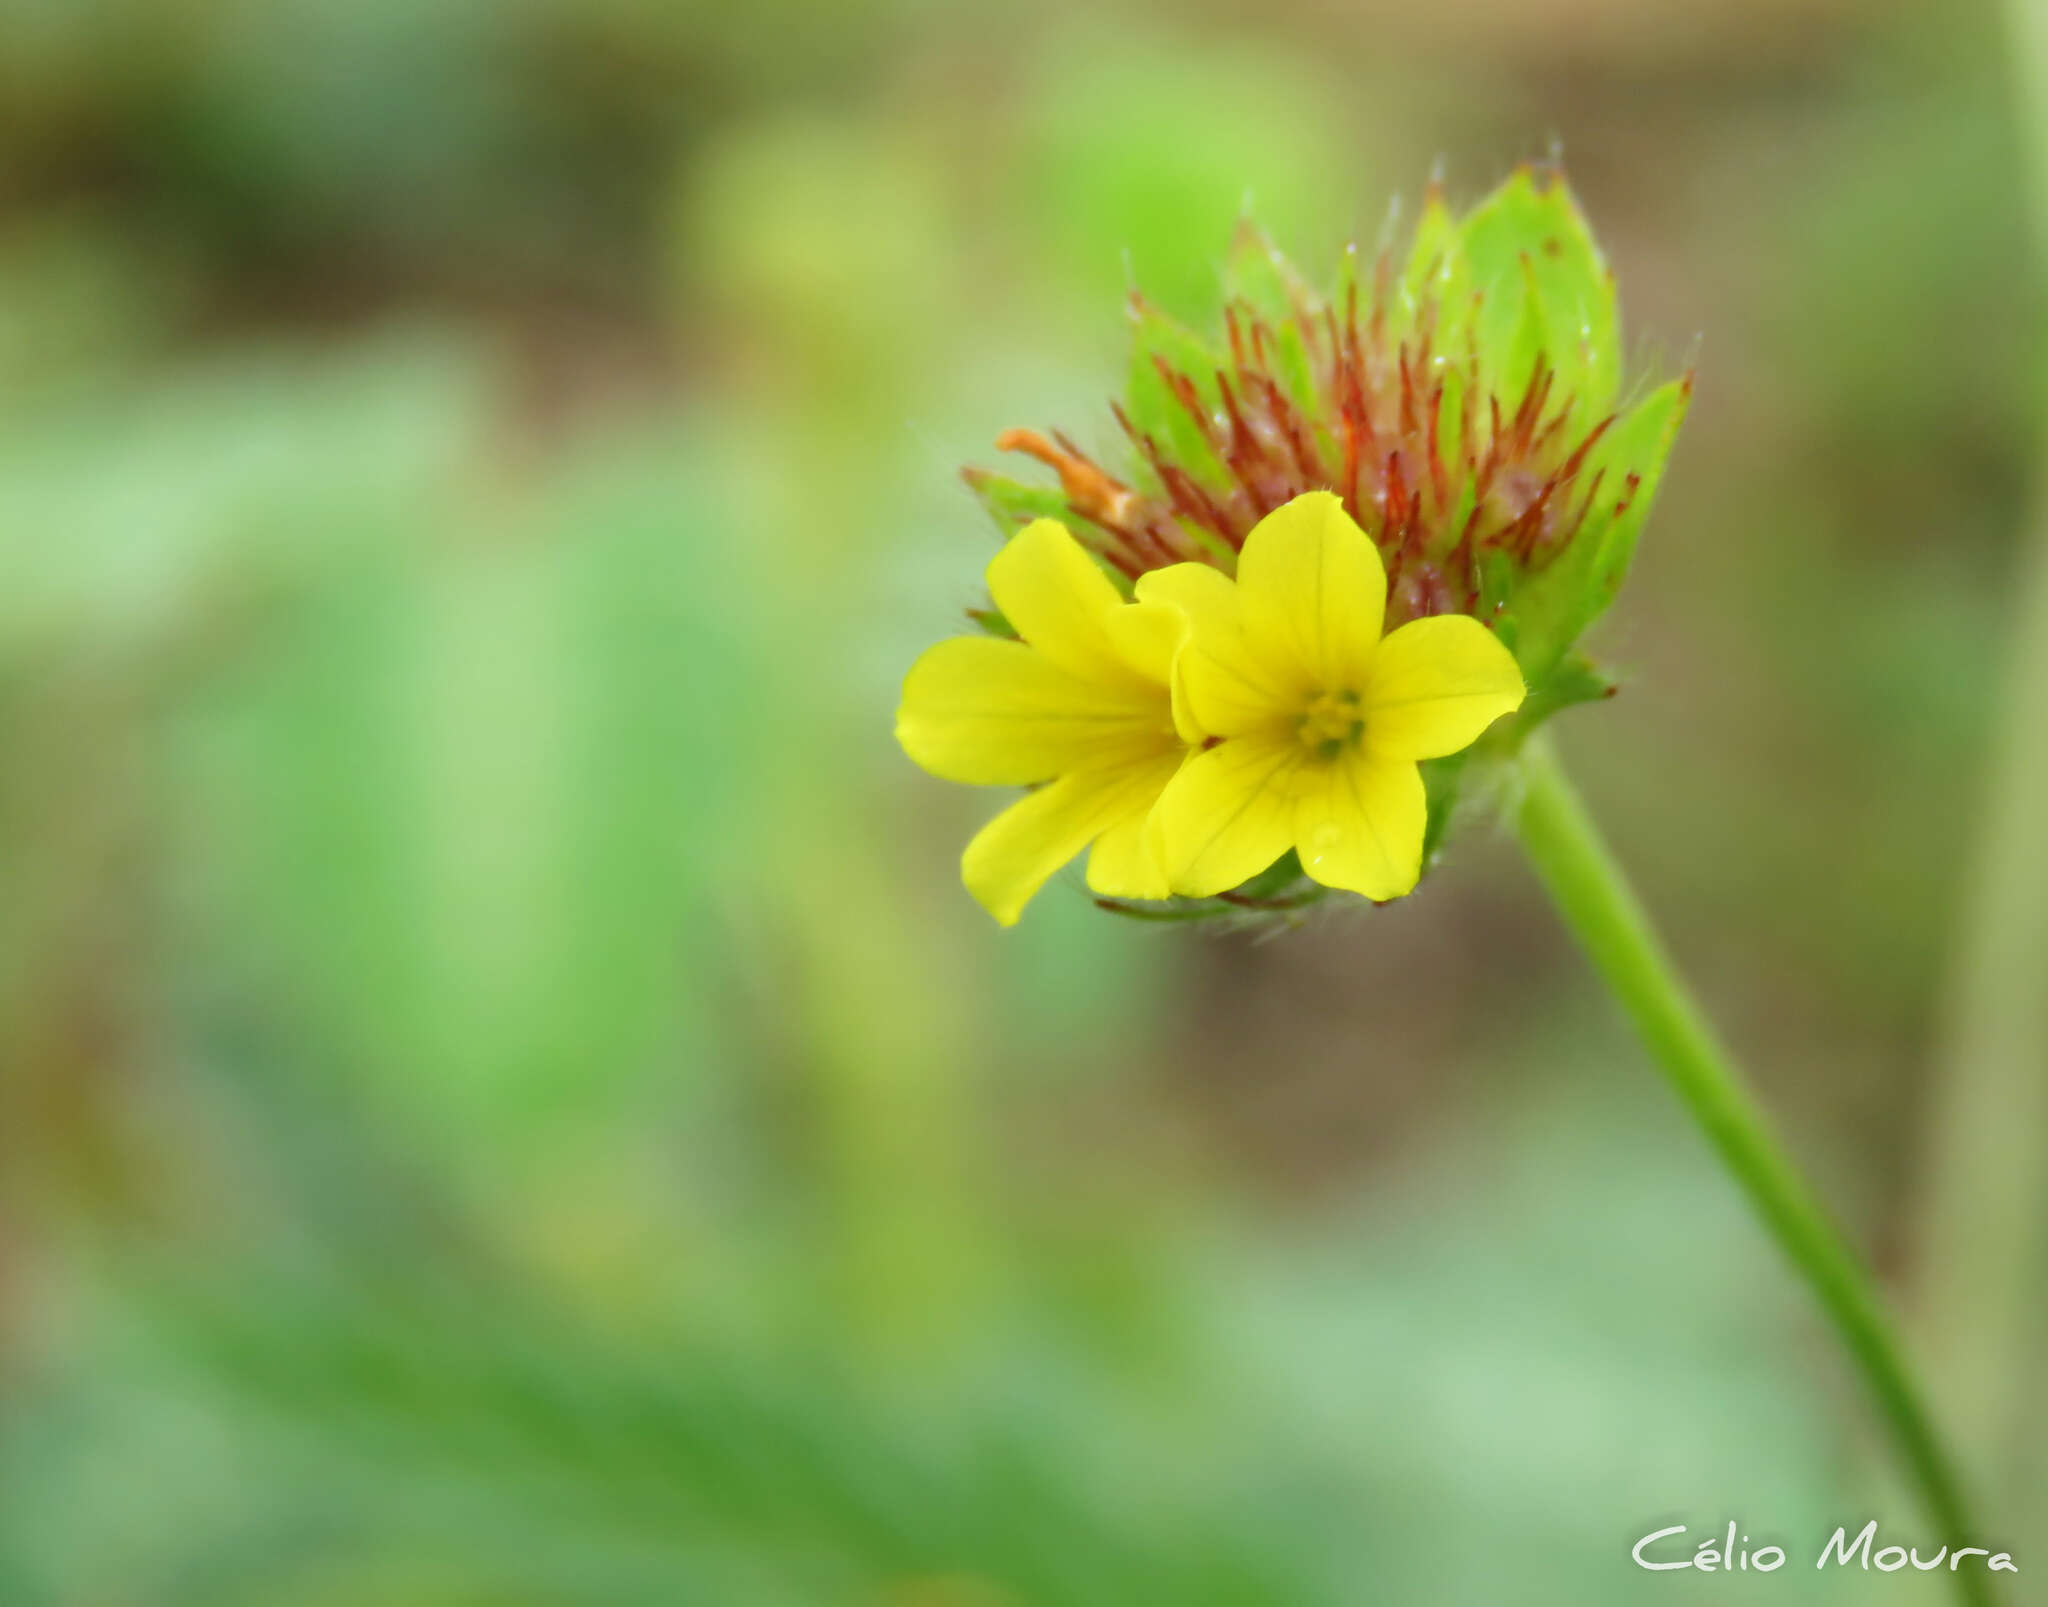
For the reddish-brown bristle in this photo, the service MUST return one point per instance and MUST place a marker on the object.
(1439, 475)
(1577, 460)
(1402, 429)
(1287, 418)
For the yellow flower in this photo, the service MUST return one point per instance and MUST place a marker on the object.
(1321, 720)
(1080, 704)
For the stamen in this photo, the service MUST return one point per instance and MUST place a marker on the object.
(1332, 722)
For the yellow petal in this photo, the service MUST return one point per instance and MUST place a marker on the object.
(1228, 814)
(1435, 684)
(1207, 596)
(1146, 636)
(1358, 824)
(1313, 588)
(1219, 687)
(1126, 863)
(1058, 599)
(995, 713)
(1012, 856)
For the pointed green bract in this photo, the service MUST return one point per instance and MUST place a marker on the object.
(1437, 274)
(1012, 503)
(1532, 260)
(1158, 345)
(1259, 277)
(1549, 610)
(1257, 274)
(1638, 445)
(1451, 433)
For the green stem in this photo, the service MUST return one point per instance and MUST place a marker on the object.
(1983, 1251)
(1596, 902)
(1985, 1229)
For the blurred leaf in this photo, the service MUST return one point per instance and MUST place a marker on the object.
(1142, 151)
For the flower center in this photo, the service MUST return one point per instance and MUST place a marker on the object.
(1332, 722)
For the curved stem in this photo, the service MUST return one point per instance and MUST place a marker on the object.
(1596, 902)
(1983, 1250)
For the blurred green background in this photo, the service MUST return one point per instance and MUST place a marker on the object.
(502, 1097)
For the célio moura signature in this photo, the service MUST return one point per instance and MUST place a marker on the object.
(1718, 1553)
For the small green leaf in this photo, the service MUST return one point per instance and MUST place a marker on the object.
(1575, 679)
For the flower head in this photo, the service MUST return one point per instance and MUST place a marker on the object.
(1078, 707)
(1371, 524)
